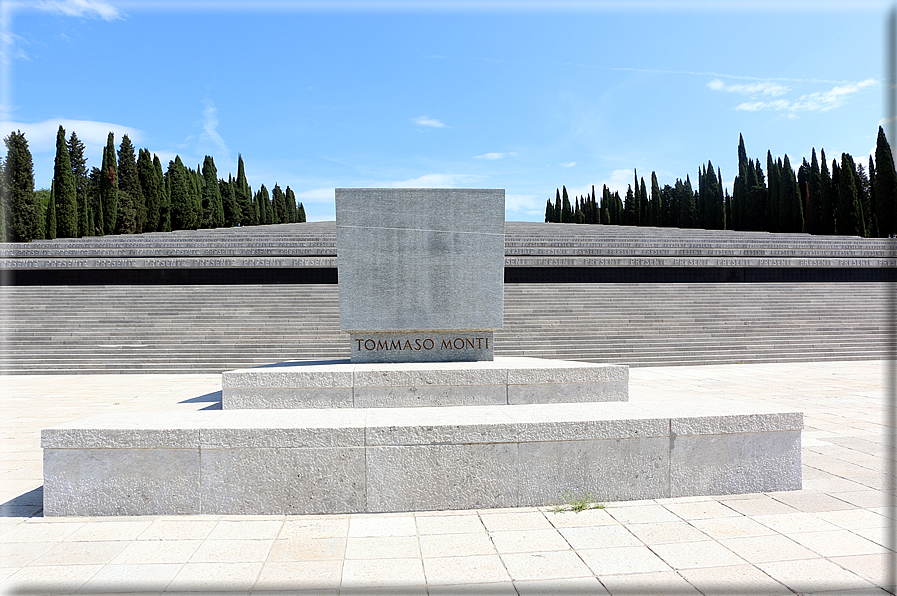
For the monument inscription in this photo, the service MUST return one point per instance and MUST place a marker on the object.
(420, 267)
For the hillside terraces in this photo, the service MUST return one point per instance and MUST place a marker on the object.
(184, 328)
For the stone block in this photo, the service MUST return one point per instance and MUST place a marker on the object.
(609, 469)
(121, 481)
(278, 481)
(431, 477)
(734, 463)
(420, 259)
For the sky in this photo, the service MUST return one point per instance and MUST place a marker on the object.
(526, 96)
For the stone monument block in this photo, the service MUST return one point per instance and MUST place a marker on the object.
(421, 272)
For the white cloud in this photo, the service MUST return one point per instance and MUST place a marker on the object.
(81, 8)
(762, 88)
(41, 136)
(316, 195)
(431, 181)
(209, 135)
(567, 164)
(618, 181)
(427, 121)
(496, 155)
(523, 207)
(821, 101)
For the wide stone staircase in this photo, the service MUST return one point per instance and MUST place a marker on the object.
(212, 328)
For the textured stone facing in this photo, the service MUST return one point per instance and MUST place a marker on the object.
(339, 384)
(420, 259)
(398, 459)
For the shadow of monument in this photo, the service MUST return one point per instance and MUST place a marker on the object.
(30, 504)
(214, 398)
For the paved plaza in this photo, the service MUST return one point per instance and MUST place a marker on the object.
(829, 538)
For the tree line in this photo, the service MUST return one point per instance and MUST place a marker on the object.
(128, 194)
(846, 198)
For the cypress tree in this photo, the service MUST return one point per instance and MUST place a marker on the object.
(181, 202)
(687, 204)
(301, 212)
(656, 208)
(791, 201)
(566, 210)
(21, 219)
(50, 230)
(740, 189)
(864, 198)
(129, 182)
(557, 205)
(774, 196)
(165, 204)
(244, 196)
(549, 211)
(643, 203)
(109, 186)
(64, 190)
(79, 175)
(150, 189)
(94, 200)
(874, 231)
(291, 205)
(232, 213)
(700, 208)
(126, 222)
(827, 197)
(279, 203)
(212, 205)
(849, 220)
(885, 189)
(814, 196)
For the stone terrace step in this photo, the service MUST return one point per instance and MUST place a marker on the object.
(66, 329)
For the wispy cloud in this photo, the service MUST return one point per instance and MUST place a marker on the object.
(432, 181)
(820, 101)
(209, 135)
(567, 164)
(41, 136)
(316, 195)
(523, 206)
(427, 121)
(81, 8)
(761, 88)
(491, 156)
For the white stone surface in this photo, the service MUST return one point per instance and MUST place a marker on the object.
(394, 459)
(505, 380)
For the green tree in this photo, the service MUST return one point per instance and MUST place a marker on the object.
(654, 219)
(301, 213)
(774, 212)
(687, 204)
(263, 200)
(864, 197)
(79, 175)
(129, 183)
(212, 205)
(181, 202)
(279, 204)
(109, 186)
(849, 220)
(814, 200)
(827, 197)
(791, 205)
(150, 189)
(94, 201)
(21, 219)
(566, 209)
(233, 215)
(64, 190)
(291, 205)
(50, 223)
(165, 205)
(244, 196)
(885, 187)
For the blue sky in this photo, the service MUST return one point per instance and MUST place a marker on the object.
(525, 96)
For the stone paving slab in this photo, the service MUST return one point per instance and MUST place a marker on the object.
(828, 539)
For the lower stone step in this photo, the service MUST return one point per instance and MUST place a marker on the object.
(352, 460)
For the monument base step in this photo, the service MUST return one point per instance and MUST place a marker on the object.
(351, 460)
(502, 381)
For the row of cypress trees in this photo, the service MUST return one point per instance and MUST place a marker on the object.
(842, 200)
(128, 194)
